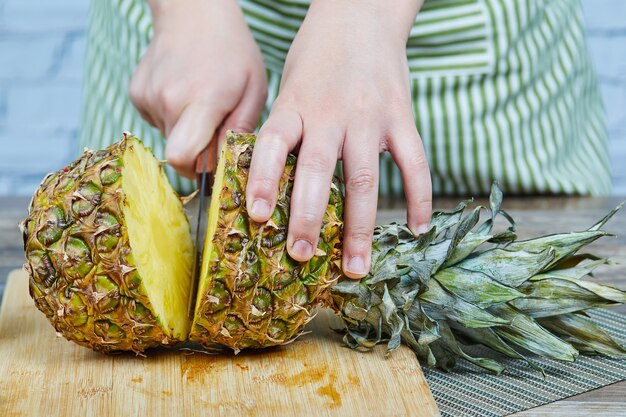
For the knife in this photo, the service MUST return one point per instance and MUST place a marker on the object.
(205, 170)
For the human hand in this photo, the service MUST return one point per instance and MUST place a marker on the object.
(201, 74)
(345, 94)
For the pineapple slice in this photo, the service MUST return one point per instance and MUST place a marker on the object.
(159, 238)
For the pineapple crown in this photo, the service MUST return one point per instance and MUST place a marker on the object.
(461, 284)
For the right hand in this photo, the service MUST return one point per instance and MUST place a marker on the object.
(202, 74)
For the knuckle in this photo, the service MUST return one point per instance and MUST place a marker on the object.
(359, 236)
(262, 185)
(168, 99)
(417, 160)
(175, 158)
(363, 181)
(316, 163)
(271, 135)
(243, 126)
(305, 222)
(135, 92)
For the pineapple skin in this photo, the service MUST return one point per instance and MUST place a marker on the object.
(255, 294)
(82, 274)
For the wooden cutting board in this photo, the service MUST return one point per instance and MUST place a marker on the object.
(41, 374)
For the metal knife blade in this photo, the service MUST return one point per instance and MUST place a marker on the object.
(205, 168)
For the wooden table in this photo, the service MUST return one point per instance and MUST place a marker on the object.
(534, 215)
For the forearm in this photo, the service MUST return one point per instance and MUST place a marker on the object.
(367, 17)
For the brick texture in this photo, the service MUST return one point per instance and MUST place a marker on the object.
(42, 45)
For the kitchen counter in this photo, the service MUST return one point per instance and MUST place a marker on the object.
(534, 215)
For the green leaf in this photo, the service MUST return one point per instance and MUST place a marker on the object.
(606, 218)
(449, 342)
(439, 304)
(443, 220)
(438, 252)
(470, 242)
(583, 334)
(392, 320)
(579, 269)
(551, 296)
(475, 287)
(563, 244)
(465, 225)
(509, 267)
(526, 333)
(489, 338)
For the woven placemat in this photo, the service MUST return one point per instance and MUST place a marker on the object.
(469, 391)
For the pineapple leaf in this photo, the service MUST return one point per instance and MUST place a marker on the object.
(449, 342)
(563, 244)
(526, 333)
(509, 267)
(489, 338)
(393, 320)
(470, 242)
(606, 218)
(475, 287)
(550, 295)
(439, 304)
(583, 334)
(444, 220)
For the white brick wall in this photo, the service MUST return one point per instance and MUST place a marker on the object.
(606, 29)
(42, 45)
(41, 52)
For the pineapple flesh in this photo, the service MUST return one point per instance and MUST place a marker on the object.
(109, 251)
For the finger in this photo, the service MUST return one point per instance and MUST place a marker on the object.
(360, 167)
(192, 132)
(246, 114)
(309, 199)
(279, 135)
(407, 151)
(137, 97)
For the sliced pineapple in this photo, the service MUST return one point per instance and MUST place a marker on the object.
(251, 293)
(159, 238)
(109, 251)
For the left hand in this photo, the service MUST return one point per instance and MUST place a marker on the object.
(345, 94)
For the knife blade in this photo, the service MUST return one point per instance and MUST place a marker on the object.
(205, 169)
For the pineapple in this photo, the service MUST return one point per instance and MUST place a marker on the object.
(460, 283)
(109, 252)
(251, 293)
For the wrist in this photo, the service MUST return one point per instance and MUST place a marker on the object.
(164, 11)
(374, 16)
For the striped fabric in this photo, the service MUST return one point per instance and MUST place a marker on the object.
(502, 90)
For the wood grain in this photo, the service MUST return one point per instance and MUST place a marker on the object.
(41, 374)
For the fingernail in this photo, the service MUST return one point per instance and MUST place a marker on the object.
(260, 209)
(302, 249)
(356, 266)
(422, 228)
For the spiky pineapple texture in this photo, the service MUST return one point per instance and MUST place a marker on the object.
(461, 284)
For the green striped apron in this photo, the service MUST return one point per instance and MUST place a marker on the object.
(502, 90)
